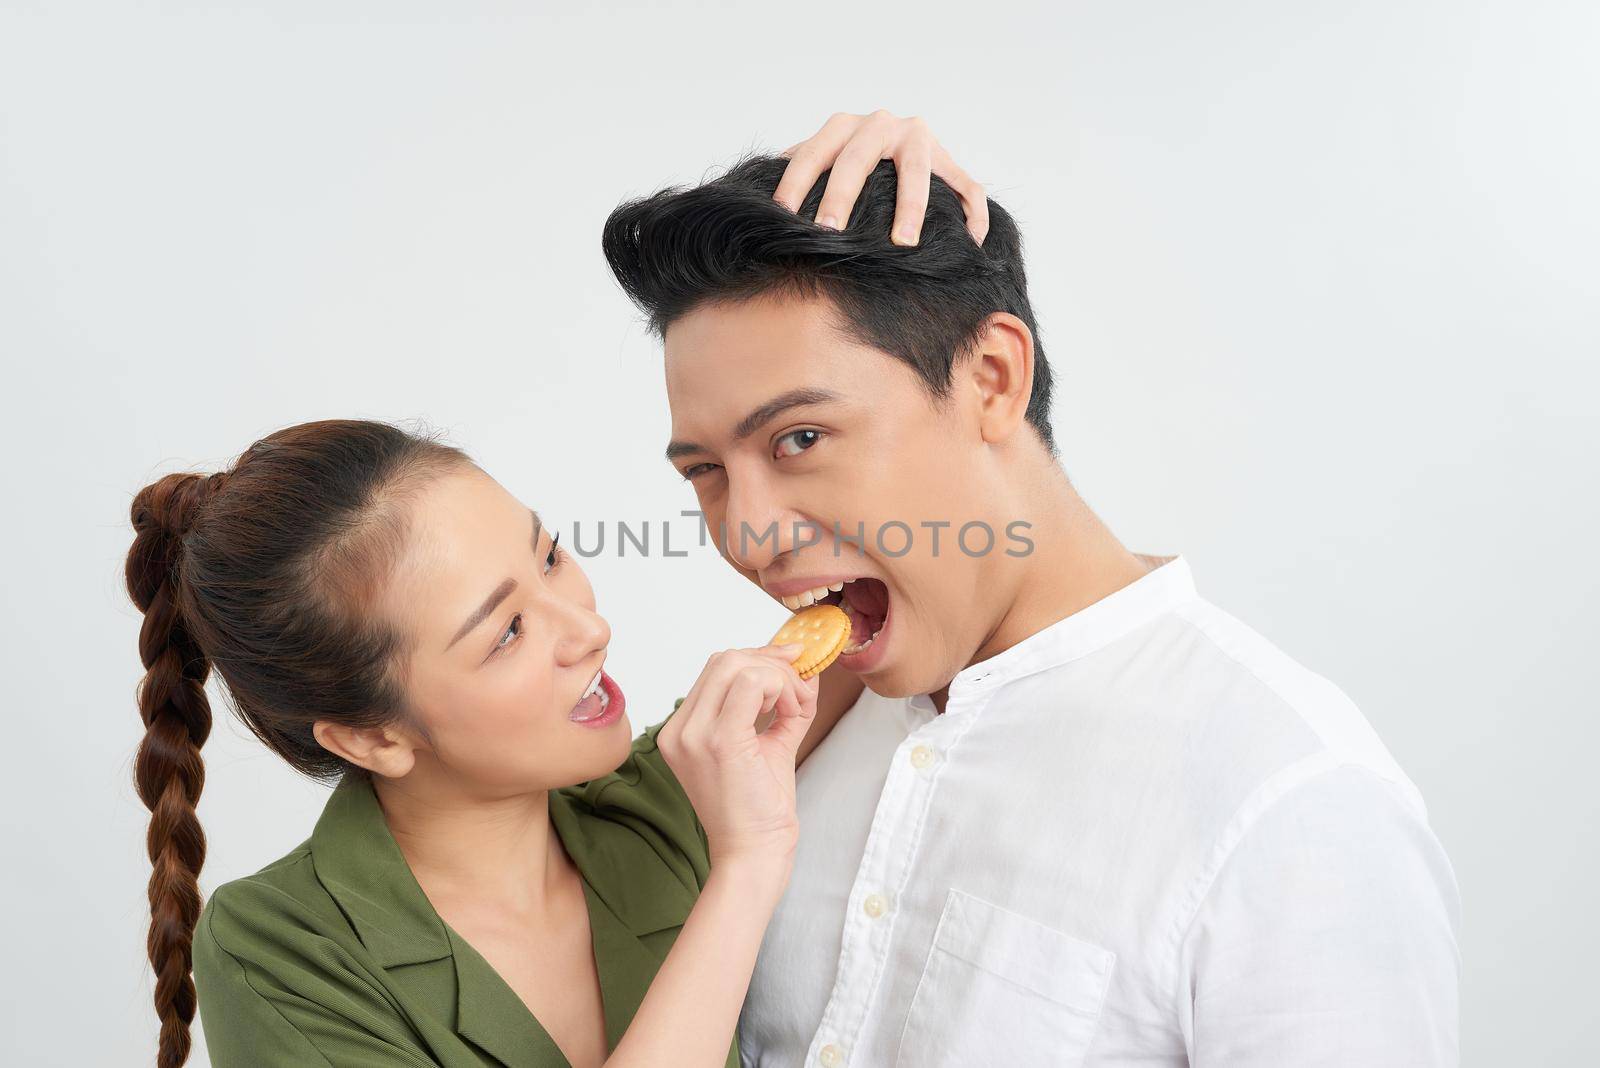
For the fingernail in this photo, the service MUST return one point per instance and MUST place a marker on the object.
(905, 235)
(829, 221)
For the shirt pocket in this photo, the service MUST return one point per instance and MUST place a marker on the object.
(1001, 989)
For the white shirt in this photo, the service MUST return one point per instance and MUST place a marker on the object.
(1142, 836)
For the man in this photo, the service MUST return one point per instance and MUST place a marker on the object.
(1081, 816)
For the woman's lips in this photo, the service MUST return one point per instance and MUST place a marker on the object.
(601, 708)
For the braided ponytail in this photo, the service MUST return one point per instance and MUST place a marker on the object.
(168, 771)
(265, 572)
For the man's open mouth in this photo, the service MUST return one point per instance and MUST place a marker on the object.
(864, 600)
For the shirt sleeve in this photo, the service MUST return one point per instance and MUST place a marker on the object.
(1328, 936)
(289, 999)
(645, 795)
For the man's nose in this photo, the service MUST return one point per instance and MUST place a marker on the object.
(758, 528)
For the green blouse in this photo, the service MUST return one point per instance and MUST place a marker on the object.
(333, 955)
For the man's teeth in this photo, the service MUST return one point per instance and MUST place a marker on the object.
(795, 602)
(851, 650)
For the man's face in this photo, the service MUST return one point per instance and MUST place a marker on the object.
(797, 440)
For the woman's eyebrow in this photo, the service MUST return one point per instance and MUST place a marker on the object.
(501, 592)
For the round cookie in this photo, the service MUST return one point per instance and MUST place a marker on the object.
(823, 629)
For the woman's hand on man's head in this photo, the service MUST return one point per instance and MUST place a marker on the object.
(852, 145)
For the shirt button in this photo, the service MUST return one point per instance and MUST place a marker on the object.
(875, 905)
(921, 756)
(830, 1056)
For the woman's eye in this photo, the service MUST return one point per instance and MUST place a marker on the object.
(556, 556)
(513, 631)
(797, 441)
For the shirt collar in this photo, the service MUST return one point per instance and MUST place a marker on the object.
(360, 864)
(1166, 585)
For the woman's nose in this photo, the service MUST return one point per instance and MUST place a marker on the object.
(584, 632)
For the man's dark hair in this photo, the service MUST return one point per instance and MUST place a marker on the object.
(727, 239)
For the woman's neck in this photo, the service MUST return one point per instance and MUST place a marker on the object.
(464, 849)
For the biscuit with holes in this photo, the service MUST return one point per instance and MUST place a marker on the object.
(823, 629)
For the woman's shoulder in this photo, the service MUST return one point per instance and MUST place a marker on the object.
(293, 897)
(283, 976)
(285, 892)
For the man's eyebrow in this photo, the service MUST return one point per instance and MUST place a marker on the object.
(758, 418)
(501, 592)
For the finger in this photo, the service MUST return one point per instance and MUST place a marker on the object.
(796, 701)
(691, 700)
(809, 690)
(973, 197)
(706, 695)
(785, 709)
(749, 696)
(711, 691)
(773, 678)
(811, 157)
(793, 717)
(764, 722)
(786, 653)
(868, 146)
(913, 165)
(790, 704)
(786, 734)
(799, 698)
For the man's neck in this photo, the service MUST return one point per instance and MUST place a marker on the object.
(1075, 561)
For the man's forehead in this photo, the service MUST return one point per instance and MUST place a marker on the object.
(775, 324)
(722, 373)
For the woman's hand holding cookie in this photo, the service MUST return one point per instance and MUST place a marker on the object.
(742, 782)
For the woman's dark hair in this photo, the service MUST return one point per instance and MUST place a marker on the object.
(267, 572)
(727, 239)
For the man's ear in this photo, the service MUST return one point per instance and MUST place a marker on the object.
(1000, 369)
(387, 751)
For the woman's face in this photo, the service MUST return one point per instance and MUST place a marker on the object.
(505, 645)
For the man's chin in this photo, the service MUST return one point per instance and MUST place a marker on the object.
(893, 681)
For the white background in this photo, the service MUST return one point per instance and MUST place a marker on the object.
(1319, 281)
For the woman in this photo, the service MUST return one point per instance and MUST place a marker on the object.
(499, 877)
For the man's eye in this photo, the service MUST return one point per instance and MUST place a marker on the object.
(693, 471)
(797, 441)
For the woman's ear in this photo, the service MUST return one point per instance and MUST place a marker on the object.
(386, 751)
(1001, 370)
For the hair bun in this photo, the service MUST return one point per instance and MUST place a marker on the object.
(171, 504)
(162, 514)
